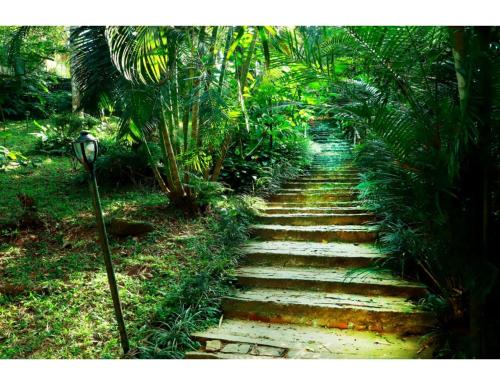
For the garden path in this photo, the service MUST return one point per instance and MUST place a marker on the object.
(305, 286)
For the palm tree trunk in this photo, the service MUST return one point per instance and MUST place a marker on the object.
(185, 128)
(75, 92)
(186, 91)
(177, 187)
(246, 65)
(174, 92)
(154, 167)
(229, 39)
(241, 84)
(195, 113)
(220, 161)
(458, 50)
(211, 61)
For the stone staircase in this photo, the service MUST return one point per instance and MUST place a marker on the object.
(305, 286)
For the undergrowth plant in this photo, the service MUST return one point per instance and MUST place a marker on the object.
(57, 134)
(195, 301)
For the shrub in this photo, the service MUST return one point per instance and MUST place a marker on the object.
(57, 135)
(11, 159)
(121, 164)
(263, 171)
(39, 94)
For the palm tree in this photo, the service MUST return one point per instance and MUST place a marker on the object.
(171, 83)
(428, 136)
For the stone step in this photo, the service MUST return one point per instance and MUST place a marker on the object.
(329, 280)
(326, 140)
(332, 152)
(331, 233)
(316, 204)
(201, 355)
(307, 288)
(333, 310)
(320, 185)
(308, 219)
(332, 156)
(334, 161)
(318, 190)
(296, 341)
(333, 168)
(312, 197)
(326, 178)
(311, 254)
(323, 142)
(327, 175)
(326, 148)
(313, 210)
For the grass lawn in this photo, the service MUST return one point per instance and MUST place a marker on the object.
(54, 296)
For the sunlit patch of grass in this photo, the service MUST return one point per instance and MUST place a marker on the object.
(17, 135)
(66, 310)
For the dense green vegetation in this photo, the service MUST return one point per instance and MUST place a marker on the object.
(191, 118)
(54, 296)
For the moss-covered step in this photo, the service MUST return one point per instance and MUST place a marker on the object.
(340, 165)
(332, 233)
(334, 168)
(331, 167)
(318, 190)
(328, 175)
(308, 219)
(330, 203)
(277, 209)
(326, 178)
(311, 254)
(267, 340)
(332, 280)
(334, 310)
(319, 185)
(313, 197)
(329, 156)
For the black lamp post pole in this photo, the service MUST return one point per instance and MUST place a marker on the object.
(103, 237)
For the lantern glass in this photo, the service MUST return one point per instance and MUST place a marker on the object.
(86, 149)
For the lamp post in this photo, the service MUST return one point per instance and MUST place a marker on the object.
(87, 150)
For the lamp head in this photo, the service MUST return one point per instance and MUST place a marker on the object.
(86, 149)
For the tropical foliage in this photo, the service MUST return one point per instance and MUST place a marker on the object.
(423, 104)
(34, 75)
(205, 111)
(189, 89)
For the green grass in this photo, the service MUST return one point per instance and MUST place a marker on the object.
(56, 184)
(64, 309)
(54, 296)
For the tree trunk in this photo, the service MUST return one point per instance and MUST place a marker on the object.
(246, 65)
(458, 51)
(229, 39)
(174, 91)
(220, 161)
(195, 113)
(75, 92)
(177, 187)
